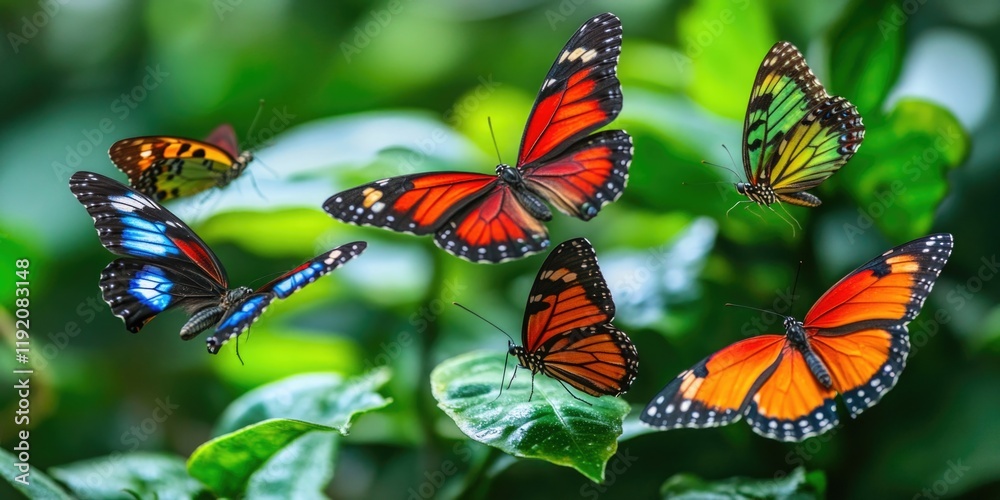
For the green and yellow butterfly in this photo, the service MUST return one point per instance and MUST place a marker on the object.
(795, 135)
(165, 167)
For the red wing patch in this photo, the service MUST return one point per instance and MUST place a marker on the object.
(586, 177)
(225, 138)
(580, 94)
(495, 229)
(418, 204)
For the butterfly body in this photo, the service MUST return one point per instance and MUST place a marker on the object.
(561, 162)
(166, 265)
(567, 332)
(795, 135)
(166, 167)
(853, 342)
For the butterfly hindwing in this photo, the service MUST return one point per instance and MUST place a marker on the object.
(567, 332)
(166, 167)
(580, 94)
(795, 135)
(495, 229)
(240, 316)
(134, 225)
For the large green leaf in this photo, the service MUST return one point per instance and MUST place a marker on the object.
(128, 475)
(32, 483)
(553, 425)
(227, 463)
(866, 53)
(797, 485)
(899, 176)
(323, 398)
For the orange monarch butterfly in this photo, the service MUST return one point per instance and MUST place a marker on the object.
(165, 167)
(567, 332)
(853, 342)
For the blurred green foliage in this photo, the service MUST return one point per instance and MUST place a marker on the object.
(356, 91)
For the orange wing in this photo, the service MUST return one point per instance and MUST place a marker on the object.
(791, 405)
(858, 327)
(597, 360)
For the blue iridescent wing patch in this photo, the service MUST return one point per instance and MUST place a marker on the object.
(243, 314)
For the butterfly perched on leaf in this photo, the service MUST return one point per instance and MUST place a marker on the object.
(853, 342)
(567, 332)
(165, 167)
(495, 218)
(795, 135)
(167, 265)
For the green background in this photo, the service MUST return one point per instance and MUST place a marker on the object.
(357, 91)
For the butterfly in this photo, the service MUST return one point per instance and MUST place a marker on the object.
(495, 218)
(166, 167)
(795, 135)
(853, 342)
(567, 332)
(167, 265)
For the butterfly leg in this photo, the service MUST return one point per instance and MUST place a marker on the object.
(511, 378)
(532, 393)
(782, 205)
(503, 376)
(784, 219)
(574, 395)
(238, 350)
(738, 203)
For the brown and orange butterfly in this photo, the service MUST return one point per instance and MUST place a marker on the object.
(853, 342)
(567, 331)
(165, 167)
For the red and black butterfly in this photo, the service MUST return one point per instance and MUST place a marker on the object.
(495, 218)
(168, 265)
(567, 331)
(166, 167)
(853, 342)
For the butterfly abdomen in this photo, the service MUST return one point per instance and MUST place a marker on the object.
(796, 333)
(201, 320)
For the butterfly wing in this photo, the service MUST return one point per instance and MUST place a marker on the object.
(795, 135)
(134, 225)
(580, 94)
(138, 290)
(495, 229)
(243, 314)
(567, 324)
(590, 174)
(166, 167)
(858, 327)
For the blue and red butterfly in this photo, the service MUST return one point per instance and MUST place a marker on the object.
(567, 332)
(853, 342)
(495, 218)
(167, 265)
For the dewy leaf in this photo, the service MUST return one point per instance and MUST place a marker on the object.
(552, 426)
(225, 464)
(899, 175)
(128, 475)
(866, 53)
(32, 483)
(797, 484)
(323, 398)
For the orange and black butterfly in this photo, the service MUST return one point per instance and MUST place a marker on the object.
(853, 342)
(567, 331)
(499, 217)
(165, 167)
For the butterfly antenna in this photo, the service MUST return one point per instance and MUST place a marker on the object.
(706, 162)
(489, 121)
(253, 123)
(730, 304)
(795, 285)
(484, 319)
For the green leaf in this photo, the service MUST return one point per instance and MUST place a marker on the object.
(35, 485)
(724, 42)
(899, 175)
(866, 53)
(324, 398)
(225, 464)
(301, 470)
(129, 475)
(552, 426)
(796, 485)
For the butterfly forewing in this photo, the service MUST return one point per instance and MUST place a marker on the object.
(580, 94)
